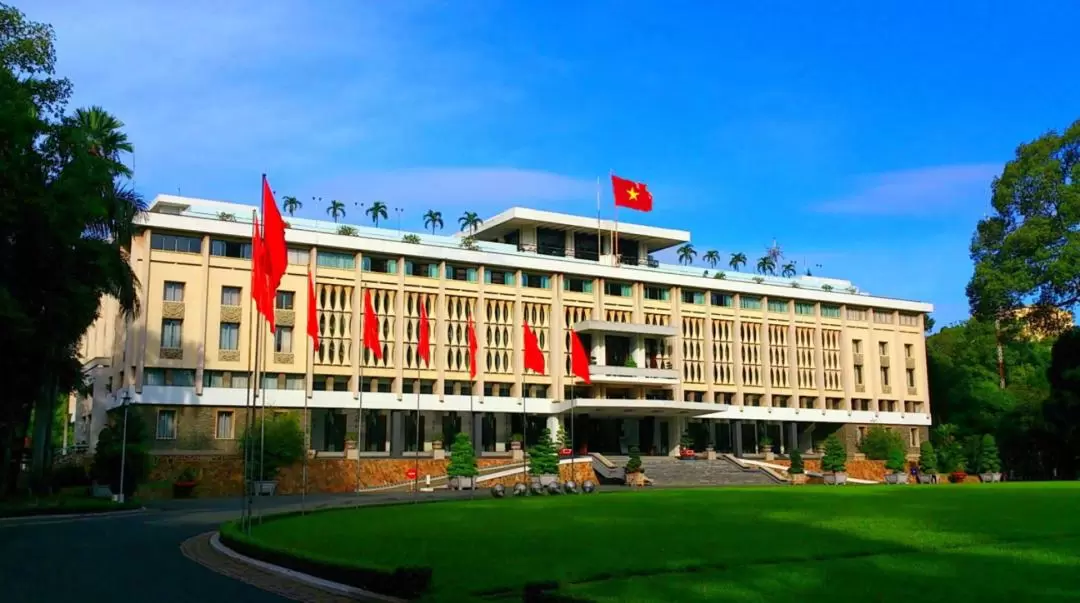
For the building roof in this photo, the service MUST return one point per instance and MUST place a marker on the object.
(654, 238)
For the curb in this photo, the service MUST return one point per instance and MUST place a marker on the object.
(320, 583)
(30, 518)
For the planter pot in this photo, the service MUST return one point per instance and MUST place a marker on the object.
(687, 457)
(798, 479)
(636, 479)
(927, 478)
(546, 480)
(769, 456)
(957, 477)
(437, 445)
(462, 483)
(183, 489)
(838, 478)
(515, 445)
(350, 444)
(987, 478)
(264, 488)
(997, 476)
(896, 478)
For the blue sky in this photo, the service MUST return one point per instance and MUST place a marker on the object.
(862, 137)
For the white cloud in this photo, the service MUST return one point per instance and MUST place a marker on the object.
(923, 191)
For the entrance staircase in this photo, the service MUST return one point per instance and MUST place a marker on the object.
(668, 471)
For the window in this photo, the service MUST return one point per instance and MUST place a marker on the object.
(166, 424)
(230, 296)
(422, 269)
(535, 281)
(617, 289)
(721, 299)
(298, 256)
(693, 297)
(657, 293)
(459, 273)
(909, 320)
(380, 265)
(856, 314)
(577, 285)
(858, 374)
(284, 300)
(908, 351)
(749, 302)
(781, 306)
(856, 346)
(230, 249)
(177, 243)
(913, 437)
(217, 379)
(883, 316)
(172, 333)
(279, 381)
(224, 427)
(174, 292)
(283, 340)
(296, 382)
(498, 277)
(169, 377)
(334, 259)
(229, 339)
(804, 308)
(910, 377)
(830, 311)
(883, 348)
(885, 376)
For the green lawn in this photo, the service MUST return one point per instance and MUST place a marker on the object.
(1018, 542)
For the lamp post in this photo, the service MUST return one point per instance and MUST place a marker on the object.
(123, 442)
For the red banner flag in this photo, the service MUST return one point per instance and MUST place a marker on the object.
(579, 359)
(634, 195)
(264, 303)
(371, 327)
(273, 239)
(472, 348)
(424, 347)
(534, 356)
(312, 313)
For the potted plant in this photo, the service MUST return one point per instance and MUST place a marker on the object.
(185, 483)
(635, 473)
(277, 443)
(351, 440)
(543, 461)
(896, 464)
(796, 471)
(686, 447)
(958, 476)
(765, 445)
(928, 462)
(462, 470)
(710, 450)
(989, 460)
(516, 447)
(834, 461)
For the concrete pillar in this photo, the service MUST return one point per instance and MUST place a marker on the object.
(792, 435)
(737, 442)
(397, 432)
(478, 432)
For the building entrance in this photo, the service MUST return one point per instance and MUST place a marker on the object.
(617, 435)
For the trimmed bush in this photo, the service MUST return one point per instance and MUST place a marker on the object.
(897, 460)
(796, 462)
(633, 464)
(989, 459)
(543, 458)
(462, 458)
(928, 461)
(835, 457)
(879, 443)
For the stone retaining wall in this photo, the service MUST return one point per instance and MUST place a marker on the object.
(579, 472)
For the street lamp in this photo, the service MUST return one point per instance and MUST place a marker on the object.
(123, 442)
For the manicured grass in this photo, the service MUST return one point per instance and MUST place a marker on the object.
(959, 543)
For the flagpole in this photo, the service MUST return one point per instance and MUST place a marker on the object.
(615, 234)
(360, 385)
(249, 402)
(307, 441)
(472, 418)
(262, 411)
(524, 440)
(416, 459)
(599, 224)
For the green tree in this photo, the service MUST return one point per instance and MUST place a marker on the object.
(711, 257)
(376, 212)
(835, 457)
(110, 452)
(737, 260)
(275, 444)
(928, 461)
(291, 204)
(766, 265)
(470, 221)
(797, 467)
(788, 270)
(633, 463)
(896, 461)
(335, 210)
(950, 451)
(433, 220)
(989, 460)
(543, 459)
(1062, 409)
(687, 253)
(462, 457)
(879, 443)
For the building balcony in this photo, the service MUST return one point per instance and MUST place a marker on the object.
(625, 328)
(627, 375)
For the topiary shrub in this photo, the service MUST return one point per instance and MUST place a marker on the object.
(928, 461)
(280, 445)
(835, 457)
(686, 443)
(897, 460)
(110, 451)
(410, 238)
(633, 464)
(462, 458)
(879, 443)
(543, 459)
(796, 462)
(989, 459)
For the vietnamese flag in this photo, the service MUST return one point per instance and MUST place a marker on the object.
(634, 195)
(471, 332)
(534, 356)
(312, 313)
(579, 360)
(264, 302)
(273, 239)
(371, 327)
(424, 349)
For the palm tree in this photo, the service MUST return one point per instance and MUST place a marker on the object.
(711, 257)
(788, 270)
(737, 259)
(291, 204)
(686, 254)
(336, 209)
(433, 220)
(104, 133)
(470, 221)
(377, 211)
(766, 265)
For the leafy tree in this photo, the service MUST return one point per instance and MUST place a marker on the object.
(335, 210)
(880, 442)
(835, 457)
(788, 270)
(633, 464)
(797, 467)
(1026, 253)
(291, 204)
(462, 457)
(897, 460)
(711, 257)
(543, 459)
(376, 212)
(766, 265)
(276, 444)
(686, 441)
(737, 260)
(989, 460)
(687, 253)
(110, 452)
(433, 219)
(1062, 409)
(950, 452)
(470, 221)
(928, 461)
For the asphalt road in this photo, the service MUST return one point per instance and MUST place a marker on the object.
(131, 558)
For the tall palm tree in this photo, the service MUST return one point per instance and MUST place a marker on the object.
(336, 209)
(470, 221)
(433, 220)
(377, 211)
(737, 259)
(687, 254)
(104, 133)
(291, 204)
(711, 257)
(766, 265)
(788, 270)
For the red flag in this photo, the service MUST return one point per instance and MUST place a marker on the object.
(472, 348)
(273, 238)
(371, 327)
(628, 193)
(424, 350)
(312, 313)
(579, 360)
(534, 356)
(264, 303)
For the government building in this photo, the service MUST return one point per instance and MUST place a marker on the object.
(739, 361)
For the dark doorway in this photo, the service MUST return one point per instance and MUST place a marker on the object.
(334, 431)
(616, 350)
(487, 432)
(629, 252)
(375, 435)
(550, 242)
(451, 426)
(586, 246)
(646, 435)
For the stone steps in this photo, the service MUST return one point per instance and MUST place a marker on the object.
(667, 471)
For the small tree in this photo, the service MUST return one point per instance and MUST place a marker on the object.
(897, 460)
(796, 462)
(110, 452)
(880, 443)
(633, 464)
(543, 459)
(989, 459)
(928, 461)
(686, 441)
(835, 457)
(280, 445)
(462, 458)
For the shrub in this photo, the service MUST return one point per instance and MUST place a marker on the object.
(686, 441)
(879, 443)
(280, 445)
(897, 460)
(69, 475)
(225, 216)
(469, 243)
(989, 460)
(348, 231)
(835, 457)
(462, 458)
(110, 451)
(950, 452)
(796, 462)
(720, 276)
(543, 459)
(633, 464)
(410, 238)
(928, 461)
(826, 288)
(758, 280)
